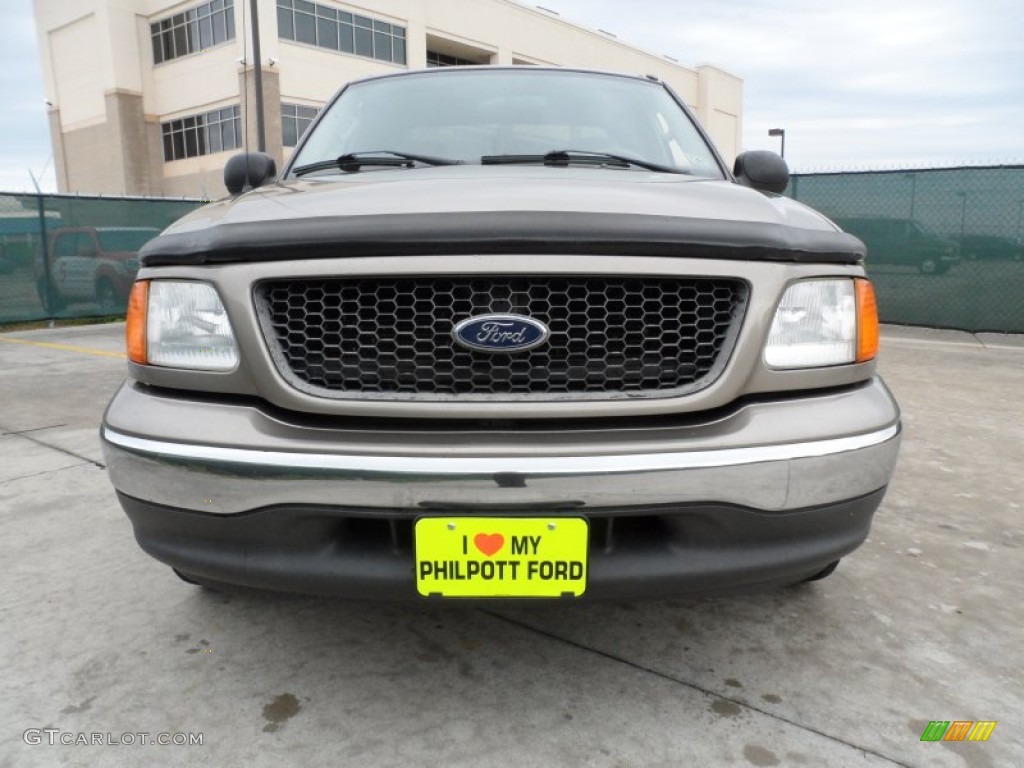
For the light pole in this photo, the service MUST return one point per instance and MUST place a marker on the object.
(261, 136)
(913, 191)
(963, 213)
(781, 133)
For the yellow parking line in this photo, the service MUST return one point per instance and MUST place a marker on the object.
(66, 348)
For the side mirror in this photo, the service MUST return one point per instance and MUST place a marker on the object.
(249, 169)
(761, 170)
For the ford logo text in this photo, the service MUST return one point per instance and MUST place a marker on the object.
(500, 333)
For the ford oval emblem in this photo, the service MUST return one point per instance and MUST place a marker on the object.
(500, 333)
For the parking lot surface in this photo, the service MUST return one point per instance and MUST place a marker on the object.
(925, 622)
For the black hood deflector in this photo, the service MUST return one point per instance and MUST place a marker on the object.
(500, 232)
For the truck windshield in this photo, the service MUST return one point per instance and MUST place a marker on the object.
(466, 115)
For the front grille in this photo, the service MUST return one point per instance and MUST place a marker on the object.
(392, 337)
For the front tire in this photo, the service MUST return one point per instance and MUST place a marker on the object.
(188, 578)
(824, 573)
(932, 266)
(106, 296)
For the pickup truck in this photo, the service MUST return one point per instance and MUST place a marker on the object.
(506, 332)
(89, 265)
(903, 243)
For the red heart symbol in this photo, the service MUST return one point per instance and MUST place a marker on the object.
(489, 543)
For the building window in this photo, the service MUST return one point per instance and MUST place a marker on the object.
(327, 27)
(295, 119)
(435, 59)
(205, 134)
(194, 30)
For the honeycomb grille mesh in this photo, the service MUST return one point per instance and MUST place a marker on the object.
(610, 336)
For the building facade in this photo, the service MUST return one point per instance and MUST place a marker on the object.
(149, 97)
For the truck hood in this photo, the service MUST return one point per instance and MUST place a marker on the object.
(508, 210)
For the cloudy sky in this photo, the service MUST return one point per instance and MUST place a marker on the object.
(855, 83)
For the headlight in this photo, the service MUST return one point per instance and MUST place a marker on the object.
(179, 324)
(823, 322)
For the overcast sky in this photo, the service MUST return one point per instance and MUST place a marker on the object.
(856, 84)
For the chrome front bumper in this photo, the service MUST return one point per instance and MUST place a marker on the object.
(769, 455)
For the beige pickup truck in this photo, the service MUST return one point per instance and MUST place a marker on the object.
(502, 333)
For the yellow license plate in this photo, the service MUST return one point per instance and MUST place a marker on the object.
(501, 556)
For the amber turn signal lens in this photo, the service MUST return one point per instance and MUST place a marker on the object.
(135, 330)
(867, 321)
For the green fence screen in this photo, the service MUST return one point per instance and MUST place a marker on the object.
(944, 245)
(72, 256)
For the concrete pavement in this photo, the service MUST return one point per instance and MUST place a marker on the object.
(924, 622)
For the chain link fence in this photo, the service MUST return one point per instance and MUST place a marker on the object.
(944, 245)
(65, 256)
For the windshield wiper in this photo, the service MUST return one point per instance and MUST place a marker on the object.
(565, 157)
(355, 161)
